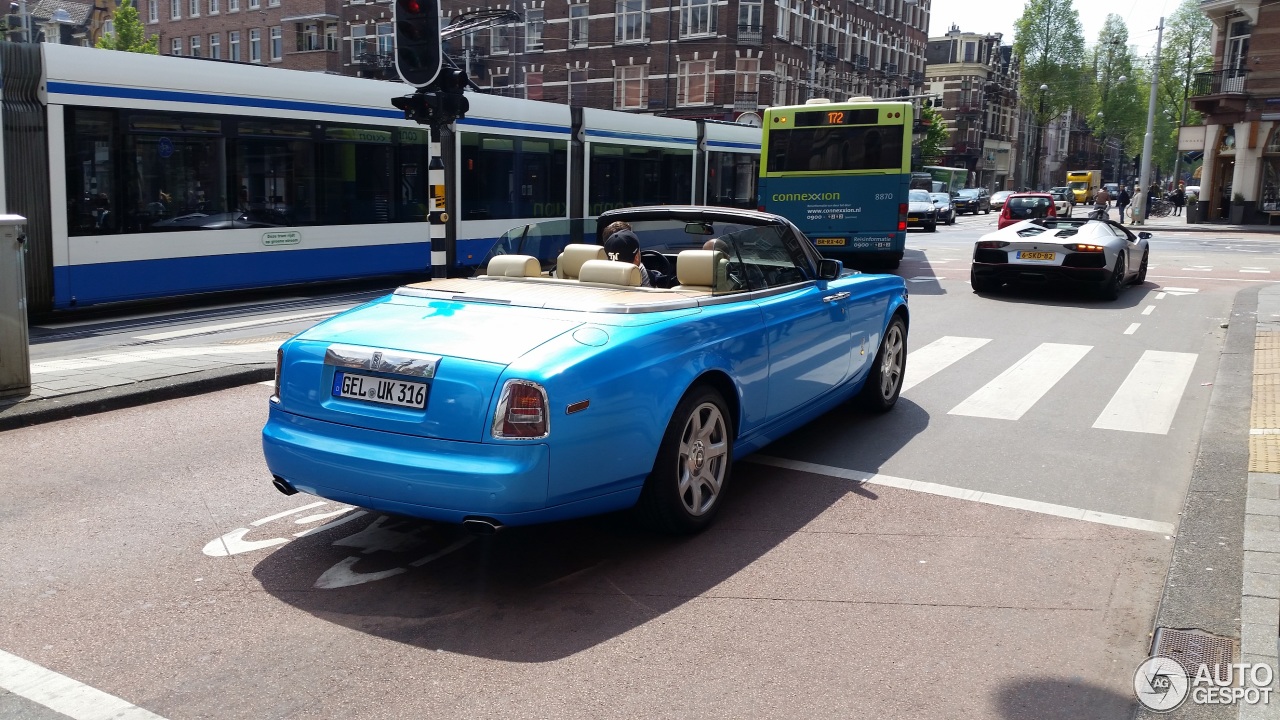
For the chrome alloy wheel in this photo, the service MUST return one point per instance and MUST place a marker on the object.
(704, 458)
(891, 362)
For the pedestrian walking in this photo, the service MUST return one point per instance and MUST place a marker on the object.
(1122, 202)
(1179, 199)
(1136, 206)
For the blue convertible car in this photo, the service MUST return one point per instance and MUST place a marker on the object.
(555, 385)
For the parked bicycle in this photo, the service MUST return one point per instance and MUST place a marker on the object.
(1161, 208)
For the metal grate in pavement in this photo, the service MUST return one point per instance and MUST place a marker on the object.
(277, 337)
(1190, 648)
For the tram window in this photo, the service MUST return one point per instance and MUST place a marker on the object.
(828, 149)
(275, 181)
(414, 158)
(731, 179)
(177, 183)
(626, 176)
(92, 196)
(506, 177)
(356, 183)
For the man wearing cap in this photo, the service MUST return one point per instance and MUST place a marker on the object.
(624, 246)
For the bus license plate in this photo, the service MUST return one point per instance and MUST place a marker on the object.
(380, 390)
(829, 241)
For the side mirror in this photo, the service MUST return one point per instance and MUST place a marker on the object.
(829, 269)
(1144, 236)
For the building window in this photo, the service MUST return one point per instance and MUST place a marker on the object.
(255, 45)
(780, 26)
(695, 82)
(233, 5)
(193, 8)
(175, 47)
(331, 36)
(308, 35)
(277, 44)
(578, 25)
(215, 46)
(533, 86)
(629, 87)
(779, 84)
(255, 4)
(273, 3)
(386, 39)
(533, 29)
(746, 80)
(153, 11)
(215, 7)
(750, 16)
(175, 9)
(970, 52)
(578, 87)
(195, 46)
(358, 48)
(498, 44)
(632, 21)
(233, 46)
(109, 27)
(697, 17)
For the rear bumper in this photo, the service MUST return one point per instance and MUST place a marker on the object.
(1040, 274)
(441, 480)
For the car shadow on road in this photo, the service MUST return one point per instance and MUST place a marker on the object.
(542, 593)
(1044, 698)
(1080, 297)
(920, 274)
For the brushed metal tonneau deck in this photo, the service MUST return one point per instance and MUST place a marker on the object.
(561, 295)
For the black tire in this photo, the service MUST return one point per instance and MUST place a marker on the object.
(952, 221)
(893, 263)
(932, 227)
(987, 211)
(675, 497)
(982, 285)
(884, 381)
(1111, 287)
(1142, 269)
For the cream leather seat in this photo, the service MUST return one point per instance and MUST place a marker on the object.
(513, 266)
(700, 269)
(569, 264)
(610, 272)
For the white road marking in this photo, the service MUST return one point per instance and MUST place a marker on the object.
(1148, 309)
(1133, 328)
(206, 329)
(987, 498)
(122, 358)
(925, 278)
(1176, 291)
(1197, 268)
(286, 513)
(64, 695)
(1160, 296)
(1148, 398)
(233, 543)
(1015, 390)
(329, 525)
(1201, 277)
(1264, 431)
(1255, 270)
(269, 383)
(924, 362)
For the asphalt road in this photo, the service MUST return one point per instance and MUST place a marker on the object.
(1002, 559)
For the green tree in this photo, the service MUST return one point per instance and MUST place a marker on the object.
(1119, 107)
(130, 35)
(1187, 51)
(934, 138)
(1049, 44)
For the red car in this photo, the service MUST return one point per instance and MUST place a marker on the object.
(1026, 206)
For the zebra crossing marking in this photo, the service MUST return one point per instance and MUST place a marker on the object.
(1014, 391)
(1133, 328)
(925, 362)
(1148, 309)
(1149, 397)
(1036, 506)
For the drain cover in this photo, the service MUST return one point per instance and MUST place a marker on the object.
(1190, 648)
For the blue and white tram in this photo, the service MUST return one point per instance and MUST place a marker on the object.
(170, 176)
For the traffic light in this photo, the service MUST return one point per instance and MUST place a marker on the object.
(418, 41)
(451, 84)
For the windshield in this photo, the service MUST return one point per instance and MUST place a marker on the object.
(1078, 185)
(918, 196)
(940, 197)
(967, 194)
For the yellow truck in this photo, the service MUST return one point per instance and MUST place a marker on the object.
(1084, 183)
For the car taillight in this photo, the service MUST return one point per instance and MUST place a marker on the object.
(760, 208)
(279, 366)
(992, 244)
(902, 217)
(1084, 247)
(522, 411)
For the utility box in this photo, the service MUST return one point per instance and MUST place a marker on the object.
(15, 342)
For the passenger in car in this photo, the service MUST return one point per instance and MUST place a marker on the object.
(624, 246)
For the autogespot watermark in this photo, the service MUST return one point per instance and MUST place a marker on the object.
(1161, 684)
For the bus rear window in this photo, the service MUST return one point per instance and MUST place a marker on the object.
(828, 149)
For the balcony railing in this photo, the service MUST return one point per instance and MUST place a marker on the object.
(749, 34)
(889, 68)
(917, 77)
(1222, 82)
(825, 52)
(862, 62)
(744, 101)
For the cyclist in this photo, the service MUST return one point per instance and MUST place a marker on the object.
(1101, 203)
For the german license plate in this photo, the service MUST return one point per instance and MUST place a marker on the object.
(380, 390)
(1037, 256)
(829, 241)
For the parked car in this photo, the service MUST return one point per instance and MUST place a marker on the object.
(946, 211)
(998, 198)
(1025, 206)
(555, 386)
(921, 211)
(1100, 254)
(972, 200)
(1063, 201)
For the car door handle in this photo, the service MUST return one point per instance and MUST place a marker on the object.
(835, 298)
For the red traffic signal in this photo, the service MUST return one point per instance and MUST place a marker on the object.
(418, 40)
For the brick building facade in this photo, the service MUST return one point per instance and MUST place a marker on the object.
(294, 34)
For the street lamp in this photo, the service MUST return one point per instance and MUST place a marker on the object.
(1035, 166)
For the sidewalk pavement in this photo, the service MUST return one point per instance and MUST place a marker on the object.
(1178, 223)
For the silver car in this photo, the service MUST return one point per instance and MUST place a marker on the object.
(1099, 254)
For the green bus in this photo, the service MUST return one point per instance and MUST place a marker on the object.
(840, 171)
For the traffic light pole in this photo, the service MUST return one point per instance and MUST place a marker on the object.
(1140, 210)
(449, 156)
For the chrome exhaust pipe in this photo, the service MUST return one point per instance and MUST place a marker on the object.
(482, 525)
(283, 485)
